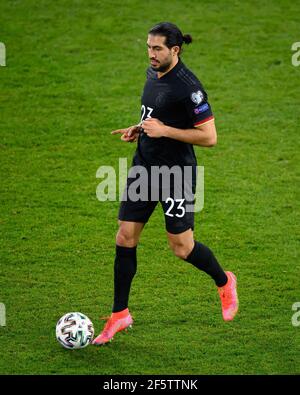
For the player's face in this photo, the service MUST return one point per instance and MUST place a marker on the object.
(161, 57)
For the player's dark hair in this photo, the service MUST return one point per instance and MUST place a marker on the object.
(172, 34)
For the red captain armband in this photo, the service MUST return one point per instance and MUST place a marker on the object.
(204, 121)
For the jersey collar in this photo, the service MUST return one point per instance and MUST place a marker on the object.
(178, 65)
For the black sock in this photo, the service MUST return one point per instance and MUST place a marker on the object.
(124, 271)
(203, 258)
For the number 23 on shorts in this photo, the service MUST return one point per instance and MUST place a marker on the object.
(180, 209)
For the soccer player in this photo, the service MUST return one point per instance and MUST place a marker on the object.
(175, 116)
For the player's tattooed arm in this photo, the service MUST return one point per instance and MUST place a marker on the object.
(204, 135)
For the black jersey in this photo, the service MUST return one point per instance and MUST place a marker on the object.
(179, 100)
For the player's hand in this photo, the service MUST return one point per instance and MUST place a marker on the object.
(128, 134)
(153, 127)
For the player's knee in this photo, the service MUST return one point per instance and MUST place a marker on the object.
(125, 238)
(180, 250)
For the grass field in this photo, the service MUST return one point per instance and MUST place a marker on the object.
(75, 71)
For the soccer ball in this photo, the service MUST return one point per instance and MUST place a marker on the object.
(74, 330)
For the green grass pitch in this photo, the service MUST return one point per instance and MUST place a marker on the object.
(74, 72)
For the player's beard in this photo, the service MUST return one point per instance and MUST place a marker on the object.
(162, 67)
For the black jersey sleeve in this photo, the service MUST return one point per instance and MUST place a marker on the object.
(197, 106)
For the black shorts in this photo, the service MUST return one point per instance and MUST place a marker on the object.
(178, 208)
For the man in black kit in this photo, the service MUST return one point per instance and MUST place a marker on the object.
(175, 115)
